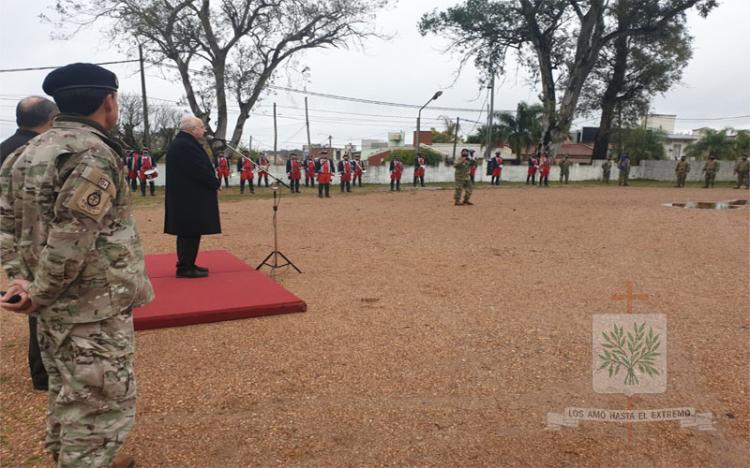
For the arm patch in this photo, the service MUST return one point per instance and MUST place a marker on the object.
(93, 195)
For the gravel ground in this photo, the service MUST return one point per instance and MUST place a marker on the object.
(439, 335)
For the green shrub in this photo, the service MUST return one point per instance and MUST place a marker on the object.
(432, 157)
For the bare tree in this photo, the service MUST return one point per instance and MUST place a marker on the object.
(166, 122)
(226, 47)
(131, 118)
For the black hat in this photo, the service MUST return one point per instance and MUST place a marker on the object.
(79, 75)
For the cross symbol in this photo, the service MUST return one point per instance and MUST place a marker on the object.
(629, 296)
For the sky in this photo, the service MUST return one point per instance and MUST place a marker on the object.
(406, 68)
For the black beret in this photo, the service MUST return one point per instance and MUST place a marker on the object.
(79, 75)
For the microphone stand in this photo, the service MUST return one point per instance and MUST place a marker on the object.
(276, 253)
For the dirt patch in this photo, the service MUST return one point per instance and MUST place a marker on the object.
(438, 335)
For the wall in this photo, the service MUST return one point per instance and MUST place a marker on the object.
(652, 170)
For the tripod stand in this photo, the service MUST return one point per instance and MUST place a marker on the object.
(276, 252)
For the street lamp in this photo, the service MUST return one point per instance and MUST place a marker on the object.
(419, 122)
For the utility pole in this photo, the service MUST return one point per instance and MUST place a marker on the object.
(455, 137)
(143, 96)
(307, 124)
(250, 143)
(330, 147)
(490, 117)
(275, 135)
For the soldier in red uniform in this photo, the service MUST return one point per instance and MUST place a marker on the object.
(309, 164)
(263, 164)
(130, 162)
(531, 174)
(396, 168)
(544, 169)
(495, 166)
(419, 169)
(146, 163)
(294, 172)
(345, 171)
(359, 169)
(324, 171)
(222, 169)
(245, 169)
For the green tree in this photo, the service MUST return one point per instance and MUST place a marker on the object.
(641, 143)
(522, 129)
(432, 157)
(742, 144)
(560, 41)
(631, 70)
(716, 142)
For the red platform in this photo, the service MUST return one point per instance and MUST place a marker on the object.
(233, 290)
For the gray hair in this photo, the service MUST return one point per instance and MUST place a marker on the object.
(188, 122)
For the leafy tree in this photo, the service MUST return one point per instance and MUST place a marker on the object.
(227, 50)
(407, 156)
(480, 137)
(560, 41)
(641, 143)
(631, 70)
(449, 134)
(719, 143)
(522, 129)
(742, 144)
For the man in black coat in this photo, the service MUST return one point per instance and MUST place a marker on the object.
(34, 116)
(192, 205)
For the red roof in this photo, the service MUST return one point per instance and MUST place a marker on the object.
(378, 158)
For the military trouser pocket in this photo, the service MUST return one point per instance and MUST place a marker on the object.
(103, 356)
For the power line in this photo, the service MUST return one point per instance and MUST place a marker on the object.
(9, 70)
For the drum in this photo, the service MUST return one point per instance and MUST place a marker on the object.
(151, 174)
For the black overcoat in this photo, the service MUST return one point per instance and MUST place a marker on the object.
(191, 201)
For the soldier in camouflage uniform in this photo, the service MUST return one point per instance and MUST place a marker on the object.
(463, 179)
(624, 166)
(607, 169)
(565, 169)
(742, 169)
(70, 229)
(710, 169)
(681, 170)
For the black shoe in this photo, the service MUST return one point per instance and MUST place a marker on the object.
(192, 273)
(200, 268)
(41, 387)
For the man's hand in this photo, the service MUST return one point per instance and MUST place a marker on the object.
(24, 306)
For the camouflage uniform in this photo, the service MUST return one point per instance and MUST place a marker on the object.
(463, 181)
(606, 170)
(12, 265)
(742, 169)
(710, 169)
(682, 169)
(565, 170)
(624, 166)
(75, 235)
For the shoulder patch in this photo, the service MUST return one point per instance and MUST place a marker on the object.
(90, 200)
(100, 179)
